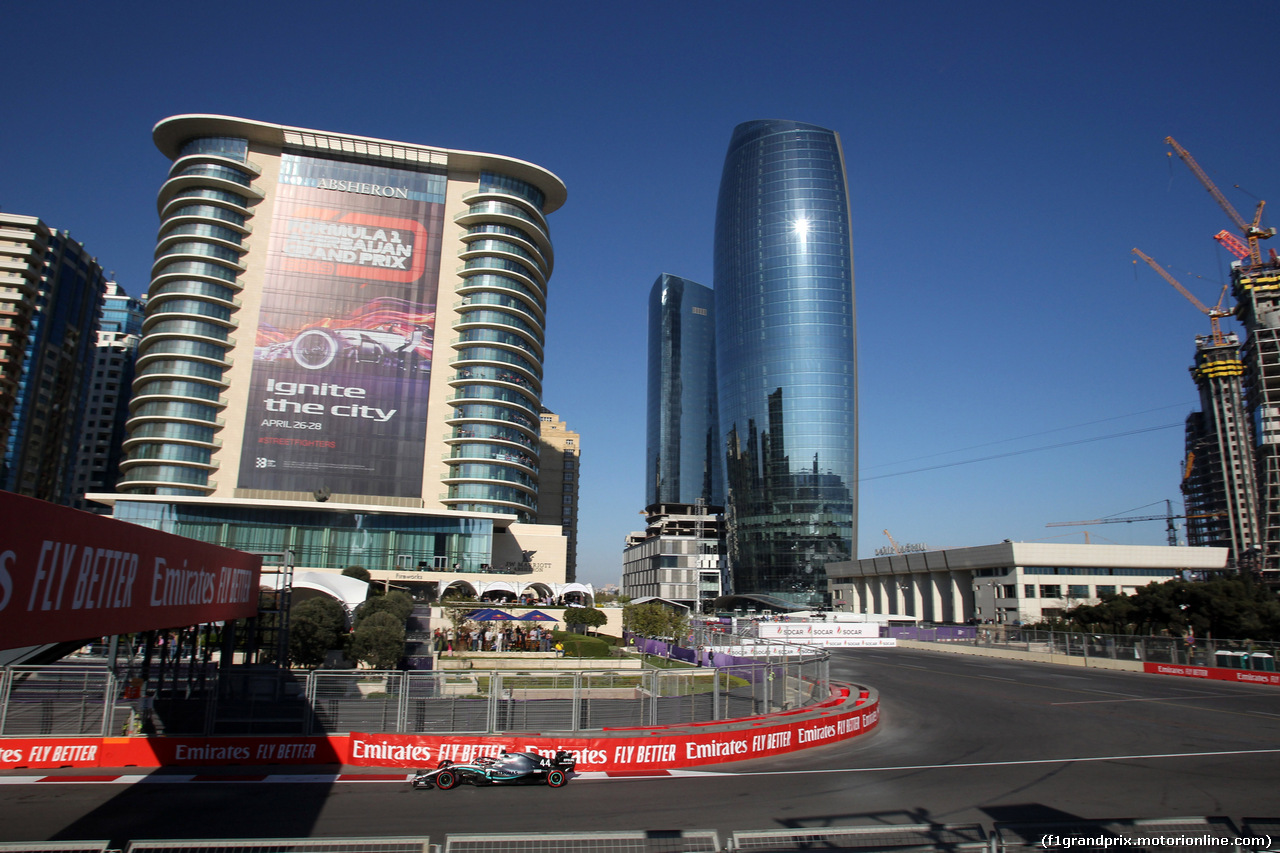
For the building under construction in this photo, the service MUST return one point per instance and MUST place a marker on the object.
(1218, 499)
(1256, 287)
(1219, 485)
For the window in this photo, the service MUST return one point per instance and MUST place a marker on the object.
(1029, 590)
(1050, 591)
(1078, 591)
(1106, 590)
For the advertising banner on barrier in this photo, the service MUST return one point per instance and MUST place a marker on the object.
(816, 633)
(776, 649)
(72, 575)
(646, 750)
(1215, 673)
(169, 752)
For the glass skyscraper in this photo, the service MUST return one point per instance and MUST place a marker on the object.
(786, 352)
(682, 453)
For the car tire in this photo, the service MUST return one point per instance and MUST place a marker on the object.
(557, 779)
(315, 349)
(446, 779)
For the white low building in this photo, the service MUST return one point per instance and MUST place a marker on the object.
(1007, 583)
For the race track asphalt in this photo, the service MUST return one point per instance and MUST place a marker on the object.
(961, 740)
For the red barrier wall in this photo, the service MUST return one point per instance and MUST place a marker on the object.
(1214, 672)
(639, 750)
(72, 575)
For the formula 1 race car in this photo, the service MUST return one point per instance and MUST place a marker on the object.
(509, 768)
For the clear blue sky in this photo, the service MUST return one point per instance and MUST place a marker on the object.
(1016, 368)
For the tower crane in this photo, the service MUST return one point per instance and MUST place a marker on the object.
(1251, 231)
(897, 549)
(1168, 517)
(1214, 314)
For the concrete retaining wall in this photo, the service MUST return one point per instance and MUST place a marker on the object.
(1018, 654)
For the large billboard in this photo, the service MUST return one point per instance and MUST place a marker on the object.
(71, 575)
(343, 353)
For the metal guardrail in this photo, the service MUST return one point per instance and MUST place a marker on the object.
(1159, 835)
(671, 841)
(1236, 654)
(61, 701)
(289, 845)
(910, 837)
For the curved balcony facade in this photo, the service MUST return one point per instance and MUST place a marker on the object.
(497, 371)
(205, 208)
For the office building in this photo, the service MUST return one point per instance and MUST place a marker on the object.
(1219, 485)
(1008, 583)
(786, 362)
(683, 453)
(560, 457)
(46, 387)
(678, 557)
(342, 356)
(101, 436)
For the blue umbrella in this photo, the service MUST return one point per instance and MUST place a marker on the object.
(537, 616)
(489, 614)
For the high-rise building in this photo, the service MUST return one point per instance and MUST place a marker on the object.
(785, 353)
(683, 452)
(1219, 483)
(679, 555)
(342, 355)
(24, 240)
(560, 460)
(101, 436)
(52, 382)
(1256, 288)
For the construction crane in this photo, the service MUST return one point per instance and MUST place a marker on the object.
(1214, 314)
(1168, 517)
(1251, 231)
(897, 549)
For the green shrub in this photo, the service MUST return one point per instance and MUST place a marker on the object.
(581, 646)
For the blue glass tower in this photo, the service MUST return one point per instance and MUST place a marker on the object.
(682, 453)
(786, 351)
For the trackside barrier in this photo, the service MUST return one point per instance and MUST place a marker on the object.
(671, 841)
(921, 836)
(1243, 661)
(1158, 835)
(57, 847)
(1153, 835)
(59, 701)
(849, 714)
(1252, 655)
(1213, 673)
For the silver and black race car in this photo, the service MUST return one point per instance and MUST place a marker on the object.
(509, 768)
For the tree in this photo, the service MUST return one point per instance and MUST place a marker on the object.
(357, 572)
(587, 617)
(316, 626)
(462, 604)
(654, 620)
(1226, 608)
(379, 641)
(398, 604)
